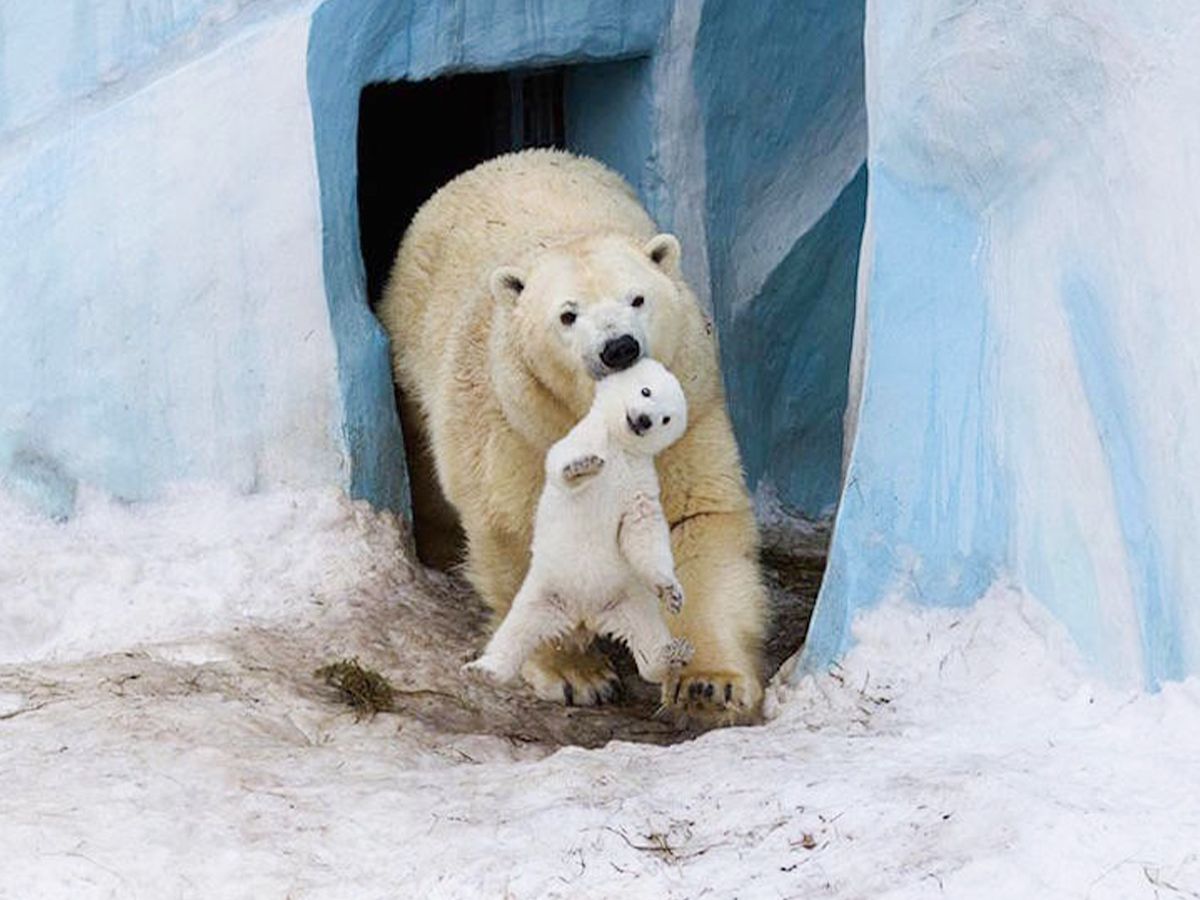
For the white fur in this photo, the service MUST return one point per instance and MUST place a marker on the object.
(601, 547)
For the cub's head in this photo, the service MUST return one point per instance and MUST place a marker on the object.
(595, 306)
(643, 406)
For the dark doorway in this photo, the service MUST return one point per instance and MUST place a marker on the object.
(413, 137)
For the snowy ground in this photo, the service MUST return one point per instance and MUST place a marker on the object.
(161, 735)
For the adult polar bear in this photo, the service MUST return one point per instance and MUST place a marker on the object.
(515, 287)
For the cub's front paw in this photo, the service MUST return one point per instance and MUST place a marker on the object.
(671, 594)
(582, 468)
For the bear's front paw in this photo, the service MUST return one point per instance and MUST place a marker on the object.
(582, 468)
(712, 697)
(671, 594)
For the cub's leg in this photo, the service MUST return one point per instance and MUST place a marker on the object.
(645, 542)
(571, 673)
(536, 616)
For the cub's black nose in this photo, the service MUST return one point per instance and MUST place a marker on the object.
(643, 422)
(621, 352)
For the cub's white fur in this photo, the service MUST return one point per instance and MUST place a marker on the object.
(601, 547)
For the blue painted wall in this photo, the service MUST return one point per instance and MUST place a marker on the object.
(156, 251)
(780, 86)
(1030, 377)
(162, 316)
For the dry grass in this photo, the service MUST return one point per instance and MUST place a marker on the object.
(363, 690)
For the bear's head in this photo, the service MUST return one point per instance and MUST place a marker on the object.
(643, 407)
(583, 310)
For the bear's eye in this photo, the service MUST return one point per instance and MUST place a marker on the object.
(666, 419)
(567, 318)
(638, 301)
(645, 392)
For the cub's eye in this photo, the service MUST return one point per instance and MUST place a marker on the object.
(645, 392)
(567, 317)
(638, 301)
(666, 419)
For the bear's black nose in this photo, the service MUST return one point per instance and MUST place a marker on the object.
(643, 422)
(620, 352)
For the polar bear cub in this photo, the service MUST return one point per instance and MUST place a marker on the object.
(601, 554)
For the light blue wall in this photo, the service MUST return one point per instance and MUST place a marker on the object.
(162, 316)
(923, 508)
(183, 327)
(59, 51)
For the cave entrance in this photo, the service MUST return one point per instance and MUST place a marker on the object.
(414, 136)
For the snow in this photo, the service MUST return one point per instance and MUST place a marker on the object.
(960, 753)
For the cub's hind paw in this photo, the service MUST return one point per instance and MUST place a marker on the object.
(582, 467)
(677, 653)
(671, 595)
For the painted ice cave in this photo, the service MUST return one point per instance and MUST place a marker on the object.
(950, 249)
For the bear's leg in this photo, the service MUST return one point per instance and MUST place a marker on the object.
(569, 673)
(637, 621)
(572, 673)
(496, 567)
(716, 560)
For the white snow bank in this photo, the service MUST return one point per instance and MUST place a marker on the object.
(953, 753)
(203, 558)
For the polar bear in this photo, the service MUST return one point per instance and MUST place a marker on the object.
(601, 556)
(517, 287)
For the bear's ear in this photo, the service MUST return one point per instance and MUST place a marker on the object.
(664, 252)
(506, 284)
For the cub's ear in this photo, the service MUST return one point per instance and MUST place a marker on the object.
(664, 252)
(506, 284)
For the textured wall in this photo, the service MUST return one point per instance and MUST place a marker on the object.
(1027, 375)
(780, 87)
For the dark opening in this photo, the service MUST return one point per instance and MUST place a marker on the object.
(413, 137)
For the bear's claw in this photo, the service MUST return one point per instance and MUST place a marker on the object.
(572, 677)
(480, 672)
(712, 697)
